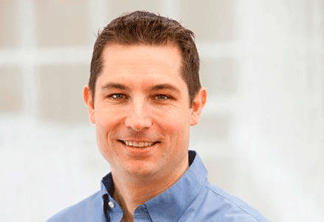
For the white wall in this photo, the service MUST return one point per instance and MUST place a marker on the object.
(261, 135)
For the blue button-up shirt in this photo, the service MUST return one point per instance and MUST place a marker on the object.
(191, 198)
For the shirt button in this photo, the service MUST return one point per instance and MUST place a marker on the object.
(111, 204)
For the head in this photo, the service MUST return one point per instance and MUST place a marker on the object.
(141, 27)
(144, 94)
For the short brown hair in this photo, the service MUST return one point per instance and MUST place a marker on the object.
(142, 27)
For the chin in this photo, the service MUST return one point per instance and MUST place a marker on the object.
(141, 170)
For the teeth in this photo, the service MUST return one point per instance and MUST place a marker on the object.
(138, 144)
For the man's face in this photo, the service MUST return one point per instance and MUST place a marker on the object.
(141, 109)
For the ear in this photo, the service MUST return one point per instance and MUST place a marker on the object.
(197, 105)
(87, 97)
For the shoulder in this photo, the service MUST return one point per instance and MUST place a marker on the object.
(233, 207)
(219, 205)
(86, 210)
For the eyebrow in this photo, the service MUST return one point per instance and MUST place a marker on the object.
(165, 86)
(114, 86)
(158, 87)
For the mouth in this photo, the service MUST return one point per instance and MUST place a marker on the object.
(138, 144)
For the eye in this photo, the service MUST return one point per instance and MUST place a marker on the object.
(117, 96)
(162, 97)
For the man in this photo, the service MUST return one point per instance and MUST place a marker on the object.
(143, 95)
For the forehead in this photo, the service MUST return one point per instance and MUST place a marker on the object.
(142, 64)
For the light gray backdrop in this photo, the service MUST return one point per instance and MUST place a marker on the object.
(261, 134)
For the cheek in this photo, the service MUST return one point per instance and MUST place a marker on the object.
(107, 122)
(106, 115)
(173, 122)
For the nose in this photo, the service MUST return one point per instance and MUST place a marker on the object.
(138, 117)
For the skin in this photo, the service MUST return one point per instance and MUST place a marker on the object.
(141, 96)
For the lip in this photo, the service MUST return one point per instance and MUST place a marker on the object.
(139, 144)
(138, 140)
(138, 152)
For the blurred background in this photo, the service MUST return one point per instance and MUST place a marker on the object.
(261, 134)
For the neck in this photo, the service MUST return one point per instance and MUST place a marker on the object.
(132, 190)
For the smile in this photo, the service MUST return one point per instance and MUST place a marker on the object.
(138, 143)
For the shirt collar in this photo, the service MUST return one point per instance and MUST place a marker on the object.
(176, 199)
